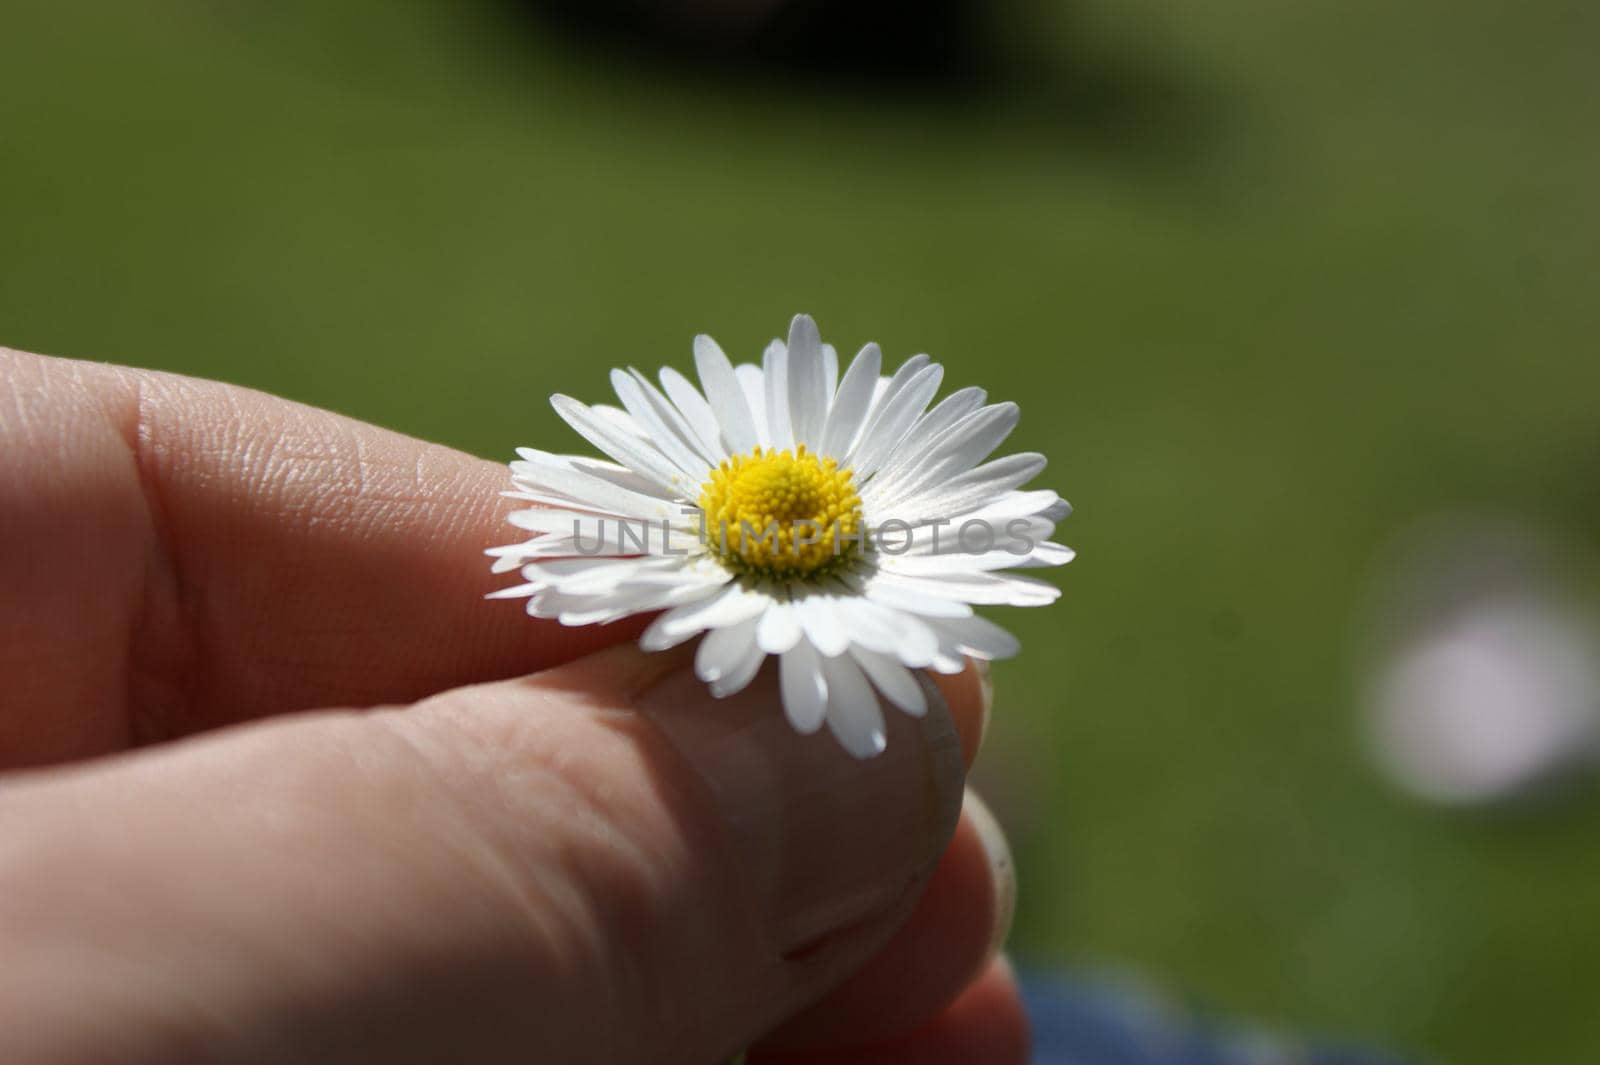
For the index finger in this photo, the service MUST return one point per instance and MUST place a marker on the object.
(180, 554)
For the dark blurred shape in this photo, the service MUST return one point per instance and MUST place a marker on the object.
(932, 40)
(965, 51)
(927, 42)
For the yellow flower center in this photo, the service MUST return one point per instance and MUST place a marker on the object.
(782, 514)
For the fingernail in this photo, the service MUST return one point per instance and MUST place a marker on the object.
(822, 838)
(969, 696)
(980, 666)
(1002, 869)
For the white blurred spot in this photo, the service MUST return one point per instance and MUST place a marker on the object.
(1494, 699)
(1482, 658)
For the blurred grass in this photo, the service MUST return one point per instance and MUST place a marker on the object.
(1269, 280)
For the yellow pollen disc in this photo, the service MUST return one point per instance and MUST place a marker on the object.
(782, 513)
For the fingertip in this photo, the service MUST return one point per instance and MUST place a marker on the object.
(959, 924)
(970, 696)
(986, 1023)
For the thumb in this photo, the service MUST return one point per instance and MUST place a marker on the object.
(596, 863)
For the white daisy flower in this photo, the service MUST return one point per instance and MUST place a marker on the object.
(834, 522)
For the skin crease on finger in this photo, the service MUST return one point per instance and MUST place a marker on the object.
(152, 525)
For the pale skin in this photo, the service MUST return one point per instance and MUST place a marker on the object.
(276, 784)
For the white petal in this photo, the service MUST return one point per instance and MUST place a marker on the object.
(662, 423)
(654, 570)
(729, 606)
(980, 486)
(931, 427)
(526, 473)
(808, 395)
(778, 629)
(888, 631)
(589, 576)
(741, 671)
(1039, 502)
(754, 384)
(1012, 541)
(975, 437)
(854, 716)
(868, 624)
(830, 370)
(886, 390)
(696, 412)
(805, 691)
(505, 564)
(1051, 554)
(894, 680)
(902, 593)
(958, 450)
(560, 482)
(977, 636)
(989, 589)
(598, 609)
(551, 519)
(1025, 544)
(821, 624)
(880, 391)
(725, 396)
(949, 559)
(953, 559)
(597, 538)
(892, 419)
(634, 452)
(1017, 520)
(723, 651)
(619, 420)
(517, 591)
(775, 376)
(851, 402)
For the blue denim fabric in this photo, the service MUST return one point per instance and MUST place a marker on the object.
(1085, 1021)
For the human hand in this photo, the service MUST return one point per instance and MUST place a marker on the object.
(395, 853)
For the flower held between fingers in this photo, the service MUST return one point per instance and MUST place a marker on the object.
(838, 523)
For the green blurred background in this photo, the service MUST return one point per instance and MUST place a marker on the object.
(1269, 280)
